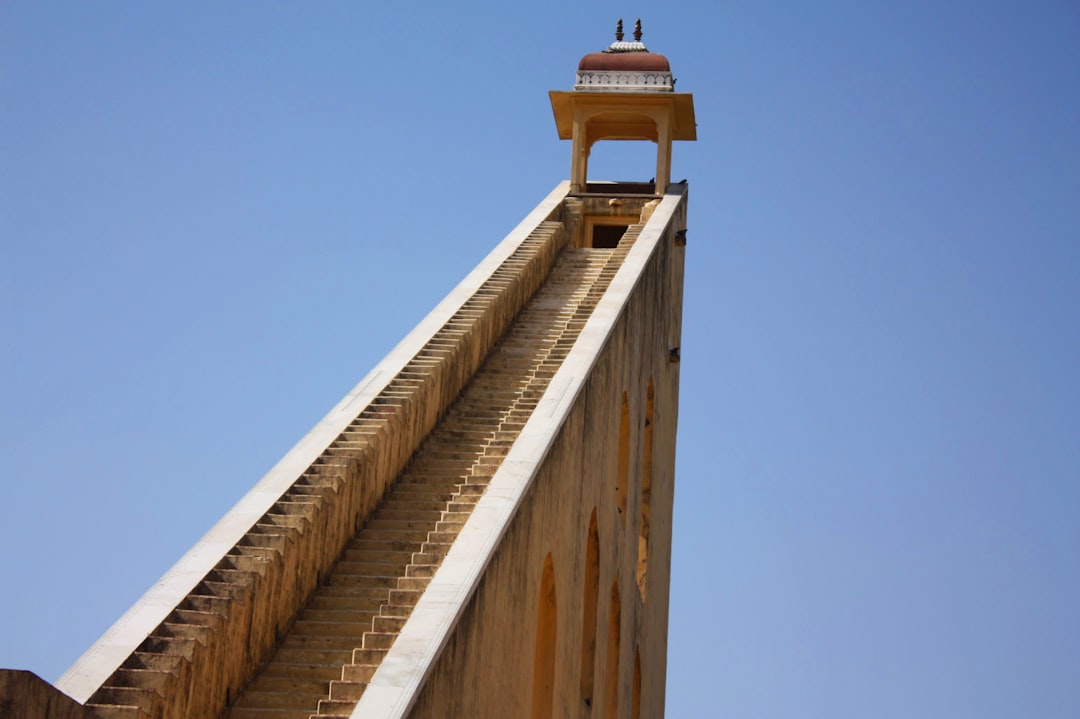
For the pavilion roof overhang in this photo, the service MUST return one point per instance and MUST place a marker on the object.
(617, 115)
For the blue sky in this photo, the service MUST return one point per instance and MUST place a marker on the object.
(878, 486)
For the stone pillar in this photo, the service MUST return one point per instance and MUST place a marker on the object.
(663, 153)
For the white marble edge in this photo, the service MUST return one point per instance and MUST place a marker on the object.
(106, 655)
(393, 688)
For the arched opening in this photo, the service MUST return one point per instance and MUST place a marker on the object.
(622, 480)
(619, 124)
(588, 619)
(611, 675)
(622, 161)
(646, 494)
(543, 692)
(635, 696)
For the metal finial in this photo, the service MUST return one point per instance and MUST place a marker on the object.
(618, 31)
(637, 30)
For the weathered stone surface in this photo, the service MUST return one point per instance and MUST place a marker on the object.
(25, 695)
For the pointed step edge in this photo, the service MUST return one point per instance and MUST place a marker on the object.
(117, 711)
(341, 690)
(335, 708)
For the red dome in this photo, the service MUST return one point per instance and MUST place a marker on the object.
(625, 62)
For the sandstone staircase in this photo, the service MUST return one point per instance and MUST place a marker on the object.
(326, 658)
(338, 640)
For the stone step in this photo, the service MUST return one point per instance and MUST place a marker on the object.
(326, 487)
(114, 711)
(227, 573)
(404, 597)
(406, 515)
(441, 489)
(368, 657)
(144, 700)
(346, 690)
(444, 455)
(338, 616)
(311, 491)
(389, 625)
(268, 713)
(358, 672)
(332, 464)
(365, 580)
(295, 654)
(421, 570)
(351, 446)
(254, 698)
(335, 708)
(445, 538)
(264, 553)
(378, 640)
(320, 642)
(409, 524)
(401, 505)
(446, 434)
(404, 492)
(413, 583)
(210, 605)
(176, 646)
(375, 556)
(191, 616)
(434, 549)
(278, 542)
(169, 663)
(488, 461)
(263, 529)
(201, 634)
(153, 679)
(372, 569)
(291, 684)
(342, 600)
(377, 545)
(344, 584)
(292, 672)
(225, 591)
(428, 557)
(276, 520)
(395, 535)
(309, 628)
(357, 593)
(434, 475)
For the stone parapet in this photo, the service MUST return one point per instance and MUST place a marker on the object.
(624, 81)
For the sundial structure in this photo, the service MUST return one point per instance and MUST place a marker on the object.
(482, 527)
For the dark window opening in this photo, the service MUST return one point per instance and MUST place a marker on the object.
(607, 236)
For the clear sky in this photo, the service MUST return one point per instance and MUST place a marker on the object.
(216, 217)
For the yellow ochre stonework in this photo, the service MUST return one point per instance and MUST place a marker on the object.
(482, 527)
